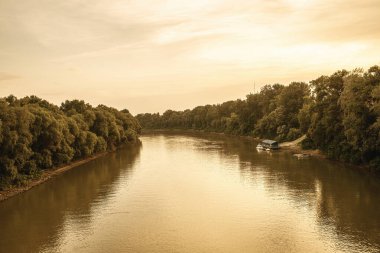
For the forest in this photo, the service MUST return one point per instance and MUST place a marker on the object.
(339, 114)
(36, 135)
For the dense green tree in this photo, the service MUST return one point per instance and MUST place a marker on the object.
(37, 135)
(359, 120)
(340, 115)
(326, 127)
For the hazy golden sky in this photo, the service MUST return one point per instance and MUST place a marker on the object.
(149, 56)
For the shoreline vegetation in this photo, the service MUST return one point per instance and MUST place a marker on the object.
(339, 115)
(39, 140)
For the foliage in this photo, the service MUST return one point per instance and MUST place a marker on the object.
(307, 143)
(340, 114)
(37, 135)
(272, 113)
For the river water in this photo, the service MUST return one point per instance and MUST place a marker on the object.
(197, 193)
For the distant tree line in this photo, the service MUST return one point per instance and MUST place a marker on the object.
(340, 115)
(36, 135)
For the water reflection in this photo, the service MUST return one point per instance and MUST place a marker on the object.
(197, 193)
(33, 221)
(343, 198)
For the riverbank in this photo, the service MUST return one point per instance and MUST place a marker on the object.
(46, 175)
(295, 148)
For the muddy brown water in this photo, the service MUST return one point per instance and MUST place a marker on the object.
(197, 193)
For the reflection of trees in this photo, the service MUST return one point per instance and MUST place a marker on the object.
(341, 196)
(34, 219)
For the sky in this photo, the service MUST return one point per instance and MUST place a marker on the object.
(153, 55)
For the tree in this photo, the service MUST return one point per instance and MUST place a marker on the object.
(37, 135)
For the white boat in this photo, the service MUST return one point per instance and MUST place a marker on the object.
(260, 147)
(267, 145)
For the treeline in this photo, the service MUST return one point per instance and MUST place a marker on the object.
(340, 115)
(36, 135)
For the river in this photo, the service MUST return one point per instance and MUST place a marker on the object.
(197, 193)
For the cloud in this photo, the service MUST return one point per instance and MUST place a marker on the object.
(7, 76)
(154, 47)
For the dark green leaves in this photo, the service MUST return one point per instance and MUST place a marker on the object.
(36, 135)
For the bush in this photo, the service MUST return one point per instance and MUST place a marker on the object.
(293, 134)
(308, 144)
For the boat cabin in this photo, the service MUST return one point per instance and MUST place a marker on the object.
(269, 144)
